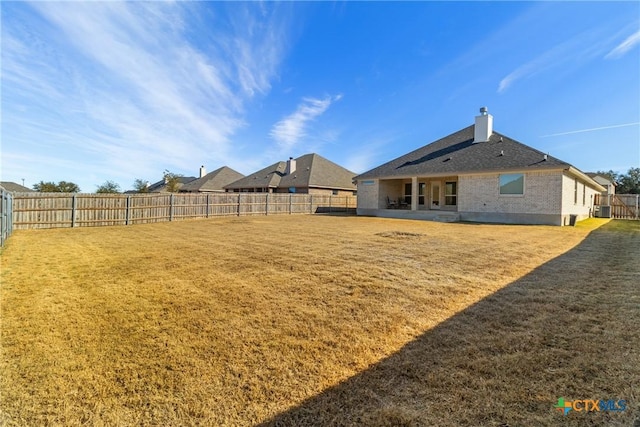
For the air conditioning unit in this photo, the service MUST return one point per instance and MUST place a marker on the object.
(605, 211)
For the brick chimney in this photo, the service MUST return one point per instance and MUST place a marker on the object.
(484, 126)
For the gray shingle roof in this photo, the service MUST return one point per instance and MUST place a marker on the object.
(312, 170)
(161, 187)
(268, 177)
(15, 188)
(213, 181)
(457, 153)
(602, 180)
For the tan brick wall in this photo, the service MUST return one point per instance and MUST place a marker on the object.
(569, 204)
(329, 192)
(368, 194)
(321, 191)
(480, 193)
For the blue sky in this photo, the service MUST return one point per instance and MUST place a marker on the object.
(122, 91)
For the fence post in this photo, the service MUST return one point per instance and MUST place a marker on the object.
(311, 203)
(73, 210)
(3, 220)
(239, 194)
(207, 209)
(290, 205)
(127, 214)
(330, 200)
(171, 207)
(266, 204)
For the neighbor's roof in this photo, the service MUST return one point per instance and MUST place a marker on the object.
(268, 177)
(161, 187)
(600, 179)
(457, 153)
(15, 188)
(213, 181)
(312, 170)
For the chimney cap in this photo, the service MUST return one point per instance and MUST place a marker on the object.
(484, 110)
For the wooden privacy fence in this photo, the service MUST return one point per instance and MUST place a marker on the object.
(6, 224)
(52, 210)
(618, 206)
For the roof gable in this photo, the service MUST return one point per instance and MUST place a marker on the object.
(15, 188)
(268, 177)
(312, 170)
(213, 181)
(457, 153)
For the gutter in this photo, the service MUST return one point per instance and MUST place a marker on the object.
(579, 174)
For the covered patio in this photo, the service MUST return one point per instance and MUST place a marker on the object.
(419, 194)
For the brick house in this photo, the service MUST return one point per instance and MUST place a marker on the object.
(479, 175)
(308, 174)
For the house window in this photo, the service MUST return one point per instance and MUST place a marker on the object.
(421, 190)
(584, 194)
(292, 189)
(407, 193)
(450, 193)
(512, 184)
(335, 192)
(575, 191)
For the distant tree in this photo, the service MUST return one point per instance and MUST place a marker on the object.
(46, 187)
(629, 183)
(172, 181)
(141, 186)
(108, 187)
(68, 187)
(60, 187)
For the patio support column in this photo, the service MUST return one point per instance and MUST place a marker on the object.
(414, 193)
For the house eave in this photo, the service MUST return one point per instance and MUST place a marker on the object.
(584, 177)
(458, 173)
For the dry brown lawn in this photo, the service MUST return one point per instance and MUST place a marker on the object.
(319, 320)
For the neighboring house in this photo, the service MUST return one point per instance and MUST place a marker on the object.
(479, 175)
(14, 188)
(610, 186)
(308, 174)
(212, 182)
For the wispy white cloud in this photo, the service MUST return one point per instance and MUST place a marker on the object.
(624, 47)
(288, 131)
(576, 50)
(573, 51)
(137, 86)
(592, 129)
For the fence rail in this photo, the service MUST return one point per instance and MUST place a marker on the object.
(618, 206)
(52, 210)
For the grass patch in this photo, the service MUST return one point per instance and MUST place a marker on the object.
(316, 320)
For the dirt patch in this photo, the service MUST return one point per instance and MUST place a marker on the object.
(399, 234)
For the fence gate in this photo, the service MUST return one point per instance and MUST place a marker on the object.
(6, 216)
(618, 206)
